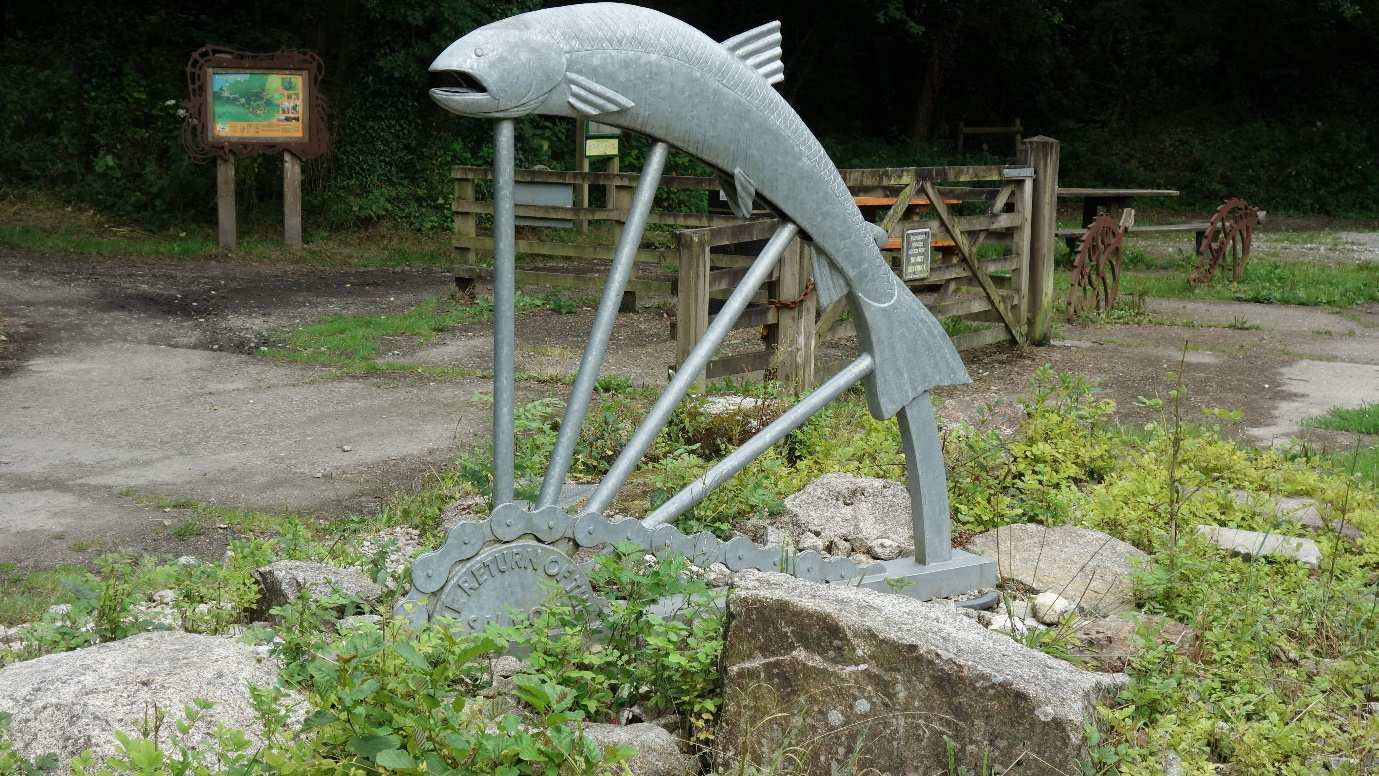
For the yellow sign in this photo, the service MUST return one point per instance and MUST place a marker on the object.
(257, 105)
(595, 147)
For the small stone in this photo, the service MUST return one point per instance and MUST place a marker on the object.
(808, 541)
(1004, 623)
(223, 526)
(1371, 709)
(506, 666)
(718, 575)
(1050, 608)
(59, 610)
(187, 560)
(318, 475)
(164, 597)
(346, 449)
(885, 549)
(839, 546)
(658, 753)
(1172, 764)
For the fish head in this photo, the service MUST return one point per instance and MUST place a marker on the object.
(499, 71)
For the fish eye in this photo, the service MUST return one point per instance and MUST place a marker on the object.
(479, 52)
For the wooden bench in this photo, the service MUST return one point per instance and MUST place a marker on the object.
(1198, 228)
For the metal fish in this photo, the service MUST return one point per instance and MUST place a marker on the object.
(642, 70)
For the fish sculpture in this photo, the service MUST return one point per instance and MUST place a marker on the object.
(642, 70)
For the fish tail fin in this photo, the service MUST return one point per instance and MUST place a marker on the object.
(911, 352)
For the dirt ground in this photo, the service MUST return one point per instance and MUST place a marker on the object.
(125, 382)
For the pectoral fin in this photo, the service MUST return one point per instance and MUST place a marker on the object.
(879, 235)
(760, 48)
(740, 191)
(592, 98)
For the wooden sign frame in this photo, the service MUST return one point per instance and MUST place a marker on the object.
(199, 135)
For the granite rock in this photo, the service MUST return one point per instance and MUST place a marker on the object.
(858, 672)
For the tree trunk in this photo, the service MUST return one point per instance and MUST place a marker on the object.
(929, 89)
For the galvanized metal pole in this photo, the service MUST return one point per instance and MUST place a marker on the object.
(624, 259)
(927, 481)
(689, 370)
(738, 459)
(504, 311)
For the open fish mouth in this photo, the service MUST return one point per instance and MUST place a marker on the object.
(457, 83)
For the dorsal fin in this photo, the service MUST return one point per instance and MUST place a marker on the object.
(592, 98)
(760, 48)
(739, 190)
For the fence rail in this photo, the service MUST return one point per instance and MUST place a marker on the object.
(990, 279)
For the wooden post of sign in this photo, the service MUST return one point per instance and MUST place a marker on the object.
(581, 165)
(292, 200)
(1041, 153)
(226, 232)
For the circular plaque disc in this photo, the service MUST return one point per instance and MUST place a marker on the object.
(517, 577)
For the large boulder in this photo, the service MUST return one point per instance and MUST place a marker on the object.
(1087, 567)
(844, 513)
(71, 701)
(282, 581)
(658, 753)
(850, 678)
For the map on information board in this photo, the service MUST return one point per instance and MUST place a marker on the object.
(257, 105)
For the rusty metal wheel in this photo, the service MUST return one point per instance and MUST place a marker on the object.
(1096, 270)
(1227, 240)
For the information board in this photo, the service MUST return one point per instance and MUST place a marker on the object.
(257, 105)
(915, 252)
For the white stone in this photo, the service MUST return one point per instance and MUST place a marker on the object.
(1050, 608)
(1004, 623)
(1251, 544)
(885, 549)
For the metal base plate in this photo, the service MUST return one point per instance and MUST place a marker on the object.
(963, 573)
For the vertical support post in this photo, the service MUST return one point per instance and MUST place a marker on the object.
(581, 165)
(226, 230)
(927, 481)
(1041, 153)
(1020, 243)
(792, 338)
(465, 223)
(292, 200)
(692, 296)
(504, 311)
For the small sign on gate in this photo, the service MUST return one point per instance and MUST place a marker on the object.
(915, 250)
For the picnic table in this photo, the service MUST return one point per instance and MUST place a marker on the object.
(1094, 200)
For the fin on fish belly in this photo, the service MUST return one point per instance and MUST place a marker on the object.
(760, 48)
(592, 98)
(739, 190)
(829, 283)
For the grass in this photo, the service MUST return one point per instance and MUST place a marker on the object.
(28, 594)
(1359, 420)
(352, 343)
(38, 222)
(1268, 282)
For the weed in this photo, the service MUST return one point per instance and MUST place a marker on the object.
(1359, 420)
(188, 528)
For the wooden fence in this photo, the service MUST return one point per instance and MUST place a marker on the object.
(990, 280)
